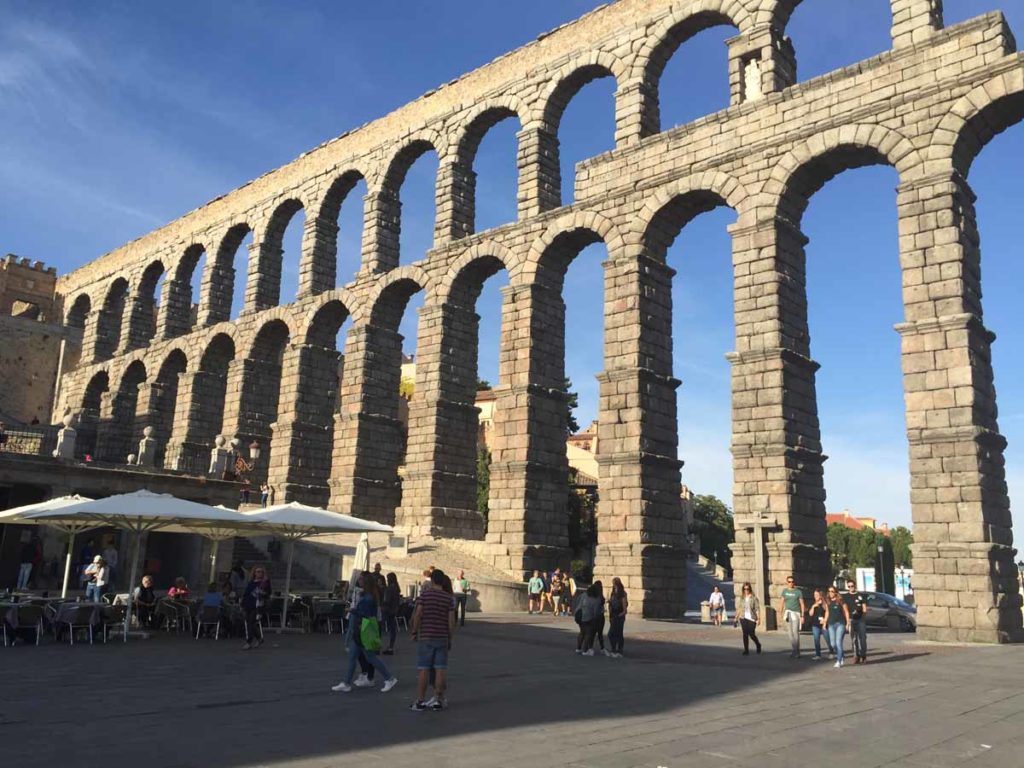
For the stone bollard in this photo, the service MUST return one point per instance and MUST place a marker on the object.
(705, 612)
(219, 458)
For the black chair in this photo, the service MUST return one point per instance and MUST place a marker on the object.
(27, 617)
(78, 617)
(275, 609)
(112, 617)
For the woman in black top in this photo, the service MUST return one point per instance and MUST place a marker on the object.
(145, 602)
(618, 605)
(818, 612)
(389, 611)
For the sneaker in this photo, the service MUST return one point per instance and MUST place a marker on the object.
(759, 650)
(418, 706)
(588, 653)
(616, 655)
(837, 665)
(389, 684)
(815, 658)
(436, 704)
(364, 682)
(579, 652)
(247, 646)
(342, 687)
(605, 652)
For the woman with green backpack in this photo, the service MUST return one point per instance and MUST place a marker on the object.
(364, 636)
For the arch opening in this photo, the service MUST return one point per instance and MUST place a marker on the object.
(581, 115)
(489, 154)
(118, 436)
(820, 32)
(166, 401)
(282, 252)
(89, 416)
(343, 209)
(108, 330)
(411, 188)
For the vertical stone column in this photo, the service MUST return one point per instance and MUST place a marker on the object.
(641, 524)
(249, 414)
(456, 187)
(914, 21)
(439, 482)
(776, 442)
(91, 344)
(300, 450)
(263, 288)
(113, 432)
(148, 409)
(526, 520)
(176, 308)
(368, 435)
(198, 419)
(381, 229)
(540, 176)
(318, 271)
(965, 579)
(88, 429)
(760, 62)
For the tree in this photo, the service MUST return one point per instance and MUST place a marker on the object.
(406, 387)
(838, 538)
(901, 539)
(572, 401)
(580, 508)
(482, 384)
(712, 521)
(483, 480)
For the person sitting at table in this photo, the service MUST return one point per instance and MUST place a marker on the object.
(179, 591)
(227, 592)
(145, 602)
(213, 596)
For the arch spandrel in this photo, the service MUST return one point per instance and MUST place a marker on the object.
(576, 229)
(305, 320)
(569, 79)
(510, 262)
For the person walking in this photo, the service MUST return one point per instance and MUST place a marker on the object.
(818, 613)
(460, 588)
(748, 616)
(857, 605)
(433, 625)
(534, 590)
(838, 623)
(364, 639)
(618, 605)
(717, 602)
(791, 606)
(254, 605)
(389, 611)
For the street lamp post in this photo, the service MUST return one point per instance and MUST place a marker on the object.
(881, 566)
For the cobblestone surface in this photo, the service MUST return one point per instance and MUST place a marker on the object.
(683, 697)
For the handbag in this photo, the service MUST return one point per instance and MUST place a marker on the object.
(369, 635)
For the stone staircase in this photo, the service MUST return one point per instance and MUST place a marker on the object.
(302, 580)
(700, 578)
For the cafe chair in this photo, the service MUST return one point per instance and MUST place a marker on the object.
(209, 616)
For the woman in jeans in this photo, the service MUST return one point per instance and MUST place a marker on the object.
(366, 609)
(618, 604)
(818, 612)
(838, 623)
(591, 607)
(389, 611)
(748, 616)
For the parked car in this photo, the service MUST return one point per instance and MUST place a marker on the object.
(888, 611)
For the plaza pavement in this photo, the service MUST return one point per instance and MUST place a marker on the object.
(519, 697)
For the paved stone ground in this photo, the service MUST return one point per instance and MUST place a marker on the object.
(520, 697)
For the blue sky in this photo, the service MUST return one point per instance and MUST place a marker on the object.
(121, 116)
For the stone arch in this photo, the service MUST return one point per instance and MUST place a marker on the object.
(670, 34)
(977, 118)
(271, 265)
(164, 400)
(388, 214)
(463, 177)
(217, 353)
(392, 297)
(283, 315)
(219, 284)
(108, 328)
(809, 166)
(567, 82)
(268, 342)
(98, 384)
(908, 17)
(78, 314)
(684, 200)
(311, 316)
(319, 271)
(177, 316)
(143, 310)
(446, 288)
(549, 255)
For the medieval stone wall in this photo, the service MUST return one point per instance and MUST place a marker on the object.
(926, 107)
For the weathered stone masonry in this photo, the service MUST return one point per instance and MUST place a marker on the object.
(926, 107)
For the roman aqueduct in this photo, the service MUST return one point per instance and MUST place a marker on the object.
(926, 107)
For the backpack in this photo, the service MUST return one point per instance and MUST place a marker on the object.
(369, 635)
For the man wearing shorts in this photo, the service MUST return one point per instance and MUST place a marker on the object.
(535, 588)
(556, 591)
(433, 623)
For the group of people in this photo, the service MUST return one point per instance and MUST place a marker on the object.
(374, 603)
(555, 590)
(832, 614)
(589, 613)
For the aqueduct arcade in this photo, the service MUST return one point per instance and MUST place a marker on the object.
(926, 108)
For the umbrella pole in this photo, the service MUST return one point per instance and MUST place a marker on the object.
(67, 564)
(214, 545)
(288, 581)
(131, 583)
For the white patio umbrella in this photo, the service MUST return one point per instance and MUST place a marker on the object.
(294, 521)
(142, 512)
(70, 527)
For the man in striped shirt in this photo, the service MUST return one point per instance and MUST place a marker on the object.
(433, 622)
